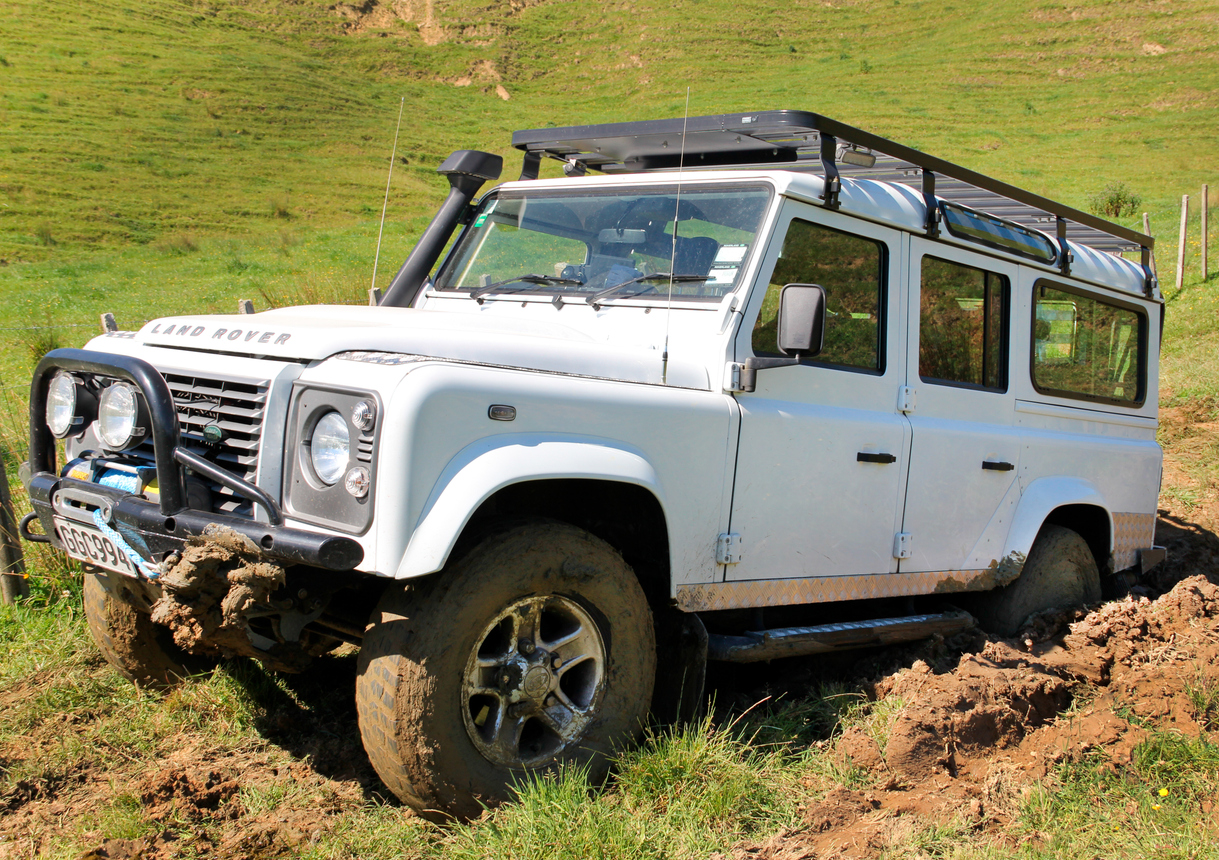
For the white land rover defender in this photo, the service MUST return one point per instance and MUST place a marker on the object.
(769, 385)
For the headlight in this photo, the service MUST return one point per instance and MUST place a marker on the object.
(117, 413)
(61, 404)
(331, 447)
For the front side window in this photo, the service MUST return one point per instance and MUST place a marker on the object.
(962, 325)
(851, 270)
(1087, 348)
(619, 242)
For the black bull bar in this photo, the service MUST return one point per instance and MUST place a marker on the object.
(164, 526)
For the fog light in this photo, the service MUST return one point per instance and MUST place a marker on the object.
(61, 404)
(117, 414)
(358, 481)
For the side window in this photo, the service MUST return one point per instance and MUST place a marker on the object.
(1087, 348)
(962, 326)
(851, 269)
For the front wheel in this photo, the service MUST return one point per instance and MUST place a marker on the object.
(535, 649)
(143, 651)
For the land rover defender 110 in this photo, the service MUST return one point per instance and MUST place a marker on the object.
(735, 387)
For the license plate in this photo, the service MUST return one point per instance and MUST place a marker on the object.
(88, 544)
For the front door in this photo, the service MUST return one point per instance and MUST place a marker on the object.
(823, 451)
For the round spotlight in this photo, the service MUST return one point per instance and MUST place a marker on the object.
(61, 404)
(330, 448)
(118, 411)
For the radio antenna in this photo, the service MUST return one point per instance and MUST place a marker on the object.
(393, 155)
(681, 163)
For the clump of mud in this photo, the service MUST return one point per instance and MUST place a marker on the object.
(207, 592)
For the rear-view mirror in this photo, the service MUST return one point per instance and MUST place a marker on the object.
(622, 236)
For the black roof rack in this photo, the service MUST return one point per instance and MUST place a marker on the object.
(800, 140)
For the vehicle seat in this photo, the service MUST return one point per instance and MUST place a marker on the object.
(695, 255)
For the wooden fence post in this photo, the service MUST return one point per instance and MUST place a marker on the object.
(1205, 205)
(12, 565)
(1181, 243)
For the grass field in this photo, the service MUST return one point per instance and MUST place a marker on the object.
(173, 157)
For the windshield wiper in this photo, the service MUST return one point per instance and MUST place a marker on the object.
(549, 280)
(595, 298)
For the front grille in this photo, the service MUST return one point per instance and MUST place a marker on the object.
(235, 409)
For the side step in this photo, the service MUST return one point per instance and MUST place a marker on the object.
(756, 645)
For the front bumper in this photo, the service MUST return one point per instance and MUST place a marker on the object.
(156, 528)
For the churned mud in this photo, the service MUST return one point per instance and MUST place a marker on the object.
(970, 737)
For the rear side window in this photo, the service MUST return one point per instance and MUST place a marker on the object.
(851, 270)
(1087, 348)
(962, 326)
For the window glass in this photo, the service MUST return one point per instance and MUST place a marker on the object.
(962, 325)
(850, 269)
(1087, 348)
(616, 244)
(989, 230)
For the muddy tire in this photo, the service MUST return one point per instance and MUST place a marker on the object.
(1059, 572)
(143, 652)
(535, 649)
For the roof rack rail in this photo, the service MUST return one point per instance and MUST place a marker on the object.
(800, 140)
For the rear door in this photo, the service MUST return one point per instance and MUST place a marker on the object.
(821, 464)
(965, 449)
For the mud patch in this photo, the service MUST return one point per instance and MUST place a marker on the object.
(191, 793)
(972, 737)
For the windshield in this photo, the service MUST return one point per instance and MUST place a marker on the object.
(609, 244)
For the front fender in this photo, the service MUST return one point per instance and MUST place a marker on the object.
(1038, 501)
(487, 466)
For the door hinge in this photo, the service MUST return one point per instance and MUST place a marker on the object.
(728, 549)
(905, 399)
(733, 377)
(901, 545)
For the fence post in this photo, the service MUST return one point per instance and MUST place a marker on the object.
(1205, 205)
(1181, 243)
(12, 565)
(1147, 232)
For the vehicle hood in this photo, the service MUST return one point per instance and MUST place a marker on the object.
(320, 331)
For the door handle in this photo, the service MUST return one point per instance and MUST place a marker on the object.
(863, 457)
(995, 466)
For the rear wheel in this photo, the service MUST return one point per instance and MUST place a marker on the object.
(535, 649)
(1060, 571)
(141, 650)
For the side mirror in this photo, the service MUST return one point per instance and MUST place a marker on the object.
(801, 319)
(801, 331)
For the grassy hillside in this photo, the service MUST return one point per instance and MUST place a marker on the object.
(123, 123)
